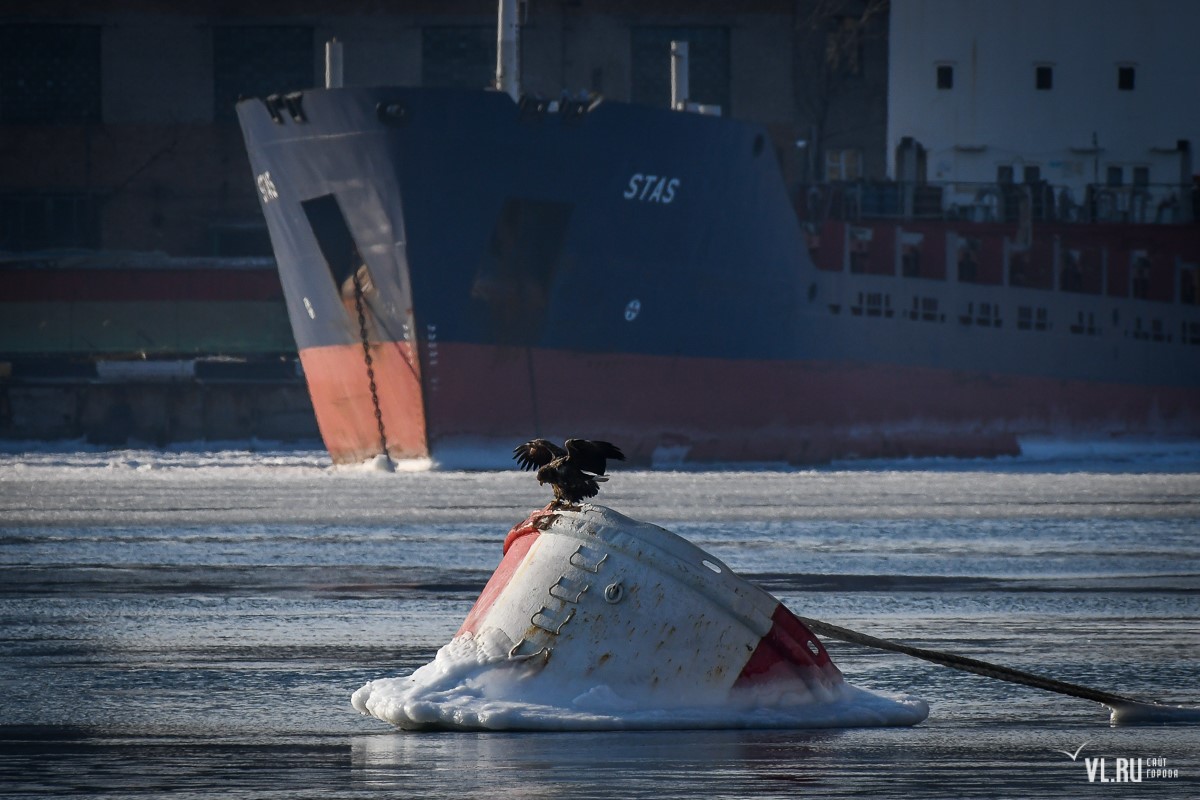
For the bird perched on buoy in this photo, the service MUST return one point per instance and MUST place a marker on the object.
(575, 472)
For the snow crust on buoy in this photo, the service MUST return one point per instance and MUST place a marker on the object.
(595, 621)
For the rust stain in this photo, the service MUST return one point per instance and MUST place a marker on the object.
(543, 521)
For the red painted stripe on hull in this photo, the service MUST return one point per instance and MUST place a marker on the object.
(719, 410)
(528, 527)
(341, 397)
(799, 411)
(515, 550)
(789, 650)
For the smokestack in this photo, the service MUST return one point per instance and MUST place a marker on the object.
(508, 66)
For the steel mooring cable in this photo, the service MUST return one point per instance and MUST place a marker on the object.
(366, 346)
(1125, 710)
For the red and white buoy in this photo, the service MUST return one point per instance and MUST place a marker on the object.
(595, 620)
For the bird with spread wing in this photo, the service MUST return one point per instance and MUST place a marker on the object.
(574, 472)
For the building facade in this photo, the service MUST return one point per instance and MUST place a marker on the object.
(1095, 98)
(117, 124)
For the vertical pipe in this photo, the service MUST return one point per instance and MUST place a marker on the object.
(333, 64)
(950, 260)
(508, 66)
(679, 75)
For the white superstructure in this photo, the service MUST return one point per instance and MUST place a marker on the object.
(1071, 92)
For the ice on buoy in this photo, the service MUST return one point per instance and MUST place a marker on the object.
(596, 621)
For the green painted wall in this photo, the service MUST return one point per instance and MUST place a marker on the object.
(150, 328)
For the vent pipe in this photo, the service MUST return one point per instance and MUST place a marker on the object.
(679, 75)
(508, 66)
(333, 64)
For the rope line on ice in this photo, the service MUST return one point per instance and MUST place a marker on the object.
(1125, 710)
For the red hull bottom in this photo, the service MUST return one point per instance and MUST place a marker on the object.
(340, 388)
(710, 410)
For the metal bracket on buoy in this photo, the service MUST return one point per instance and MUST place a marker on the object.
(580, 559)
(545, 614)
(513, 655)
(564, 593)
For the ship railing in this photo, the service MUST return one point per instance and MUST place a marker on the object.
(1036, 201)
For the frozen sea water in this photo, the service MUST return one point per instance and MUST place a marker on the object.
(194, 622)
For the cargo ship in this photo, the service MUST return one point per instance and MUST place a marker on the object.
(466, 269)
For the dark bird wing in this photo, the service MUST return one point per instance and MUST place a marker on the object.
(592, 456)
(537, 453)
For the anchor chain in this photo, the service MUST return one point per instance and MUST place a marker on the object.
(366, 345)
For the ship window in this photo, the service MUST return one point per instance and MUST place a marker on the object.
(1187, 284)
(333, 237)
(1125, 77)
(878, 304)
(968, 261)
(1141, 176)
(1031, 173)
(458, 56)
(1191, 332)
(910, 261)
(1043, 77)
(1004, 174)
(989, 315)
(1085, 324)
(1140, 283)
(1114, 176)
(51, 73)
(843, 165)
(258, 60)
(1029, 318)
(945, 76)
(708, 65)
(33, 221)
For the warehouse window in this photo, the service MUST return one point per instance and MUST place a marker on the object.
(259, 60)
(843, 165)
(462, 56)
(708, 72)
(41, 220)
(49, 73)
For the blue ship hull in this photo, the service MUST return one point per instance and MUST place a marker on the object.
(641, 275)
